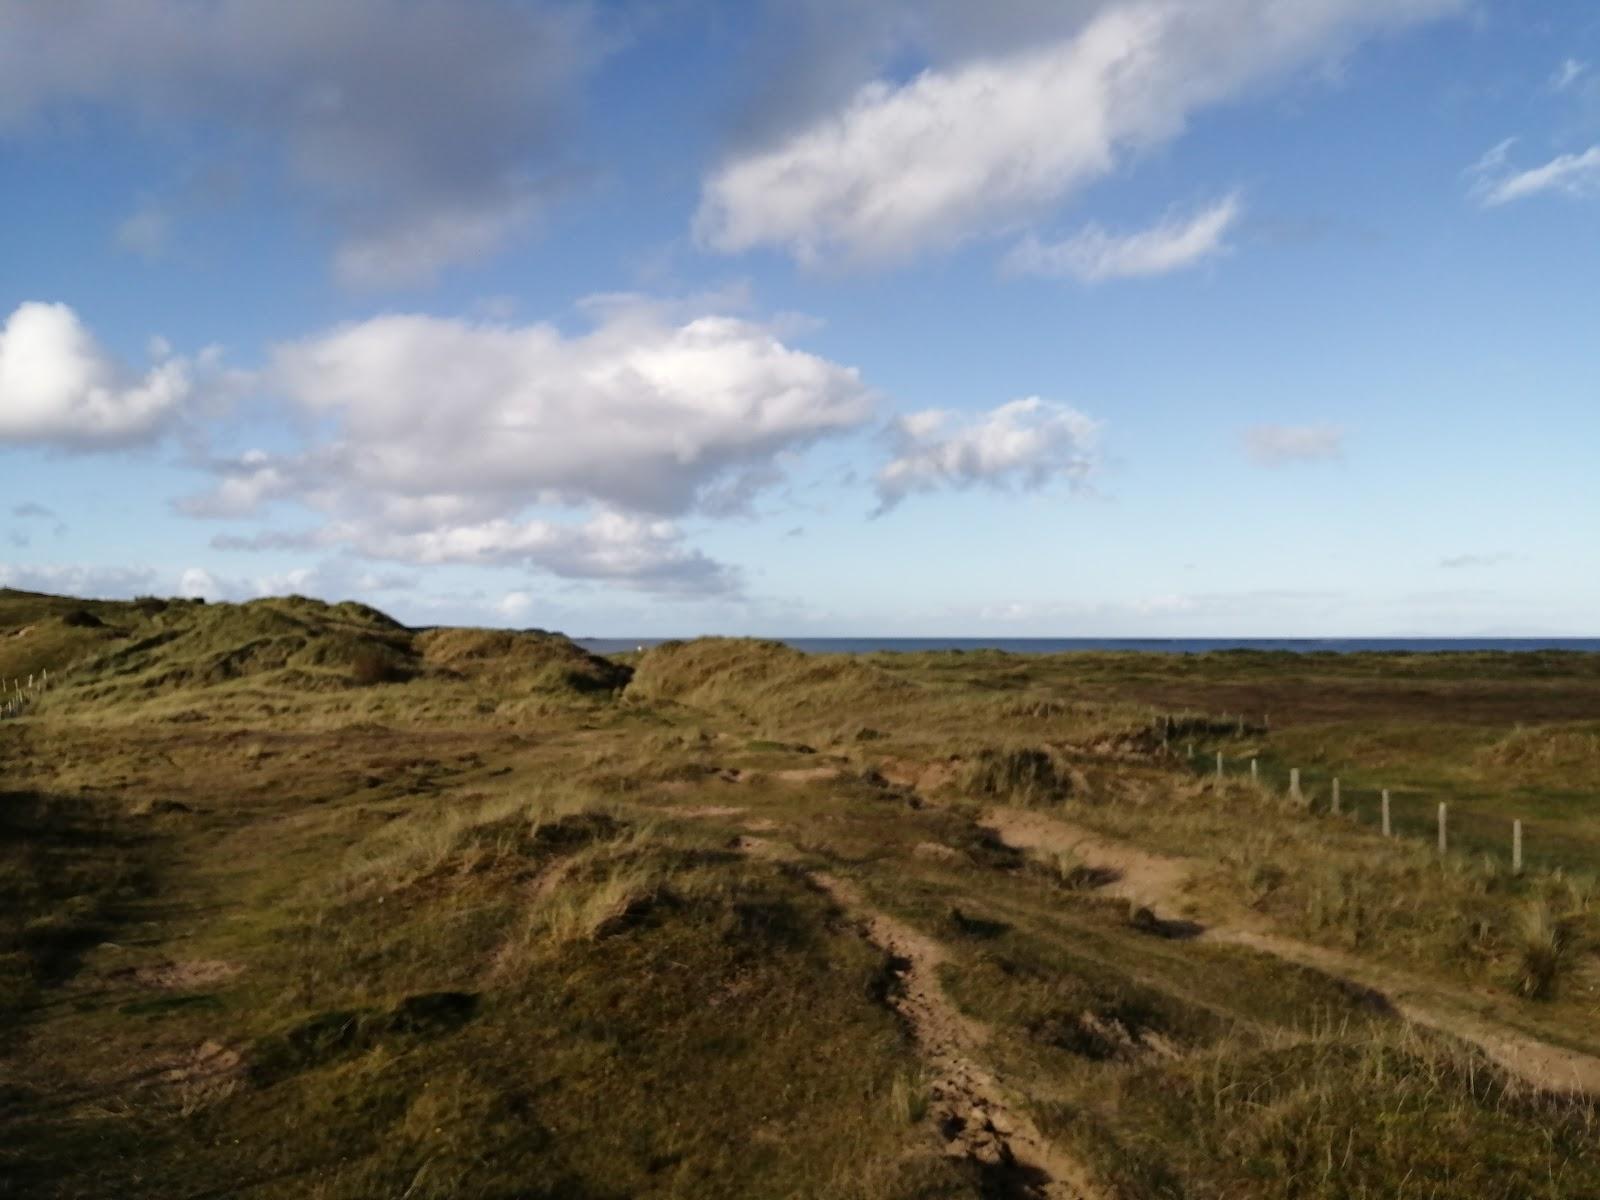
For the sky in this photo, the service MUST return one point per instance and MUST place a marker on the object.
(1235, 318)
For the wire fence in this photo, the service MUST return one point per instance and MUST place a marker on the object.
(1399, 811)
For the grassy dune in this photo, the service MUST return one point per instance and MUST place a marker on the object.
(297, 902)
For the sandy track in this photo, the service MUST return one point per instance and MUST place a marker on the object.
(968, 1106)
(1156, 881)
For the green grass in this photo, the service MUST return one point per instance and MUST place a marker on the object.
(487, 929)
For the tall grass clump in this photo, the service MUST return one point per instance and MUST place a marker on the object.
(1023, 776)
(1544, 950)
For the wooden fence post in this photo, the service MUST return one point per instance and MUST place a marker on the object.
(1219, 766)
(1254, 775)
(1336, 797)
(1294, 783)
(1443, 838)
(1386, 830)
(1516, 847)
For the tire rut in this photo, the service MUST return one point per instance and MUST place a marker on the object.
(968, 1107)
(1151, 880)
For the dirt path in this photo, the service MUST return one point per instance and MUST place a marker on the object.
(1157, 882)
(968, 1106)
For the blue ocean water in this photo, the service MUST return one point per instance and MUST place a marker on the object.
(867, 645)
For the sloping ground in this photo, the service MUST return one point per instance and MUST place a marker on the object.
(1156, 885)
(1570, 753)
(41, 633)
(303, 643)
(845, 700)
(765, 681)
(546, 661)
(641, 949)
(291, 660)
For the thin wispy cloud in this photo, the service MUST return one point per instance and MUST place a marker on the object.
(146, 232)
(1568, 74)
(1496, 182)
(1458, 562)
(1095, 255)
(1282, 445)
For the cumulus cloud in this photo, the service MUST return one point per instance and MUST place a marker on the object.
(1277, 445)
(1497, 183)
(1025, 444)
(1094, 255)
(424, 129)
(441, 435)
(59, 387)
(513, 606)
(979, 145)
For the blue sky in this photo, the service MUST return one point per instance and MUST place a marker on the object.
(1037, 317)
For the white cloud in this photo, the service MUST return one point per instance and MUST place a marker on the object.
(638, 553)
(73, 580)
(1095, 255)
(1569, 174)
(645, 413)
(196, 582)
(1025, 444)
(1277, 445)
(441, 434)
(424, 130)
(980, 146)
(1567, 75)
(513, 606)
(246, 483)
(58, 386)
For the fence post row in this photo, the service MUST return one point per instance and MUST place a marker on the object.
(1336, 807)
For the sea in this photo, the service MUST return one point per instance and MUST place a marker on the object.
(869, 645)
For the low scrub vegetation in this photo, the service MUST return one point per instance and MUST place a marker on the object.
(725, 920)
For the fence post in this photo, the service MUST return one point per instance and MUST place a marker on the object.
(1386, 831)
(1516, 847)
(1443, 839)
(1336, 797)
(1294, 783)
(1191, 751)
(1219, 766)
(1254, 775)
